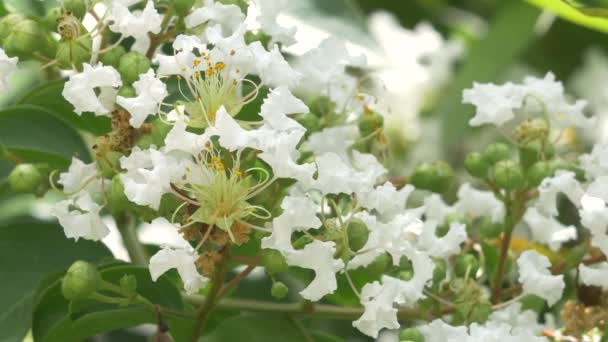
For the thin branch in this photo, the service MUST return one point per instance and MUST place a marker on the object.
(237, 279)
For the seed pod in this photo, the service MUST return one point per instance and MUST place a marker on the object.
(370, 122)
(112, 57)
(273, 261)
(27, 178)
(78, 8)
(73, 52)
(8, 22)
(435, 177)
(357, 234)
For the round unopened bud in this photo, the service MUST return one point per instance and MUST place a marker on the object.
(127, 91)
(466, 264)
(78, 8)
(357, 234)
(440, 271)
(310, 121)
(476, 165)
(279, 290)
(131, 65)
(112, 57)
(539, 171)
(52, 17)
(182, 7)
(508, 175)
(74, 52)
(370, 122)
(405, 275)
(436, 176)
(26, 178)
(117, 200)
(533, 152)
(496, 152)
(273, 261)
(8, 22)
(24, 38)
(81, 280)
(411, 335)
(128, 283)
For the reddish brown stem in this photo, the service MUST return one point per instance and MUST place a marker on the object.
(237, 279)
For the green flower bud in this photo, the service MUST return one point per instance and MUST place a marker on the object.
(27, 178)
(24, 38)
(182, 7)
(489, 229)
(436, 176)
(128, 283)
(357, 234)
(405, 275)
(539, 171)
(440, 271)
(81, 280)
(8, 22)
(131, 65)
(508, 175)
(310, 121)
(466, 263)
(112, 57)
(476, 165)
(52, 18)
(273, 261)
(127, 91)
(496, 152)
(117, 200)
(411, 335)
(74, 52)
(279, 290)
(370, 122)
(533, 152)
(78, 8)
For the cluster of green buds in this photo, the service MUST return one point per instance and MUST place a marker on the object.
(436, 176)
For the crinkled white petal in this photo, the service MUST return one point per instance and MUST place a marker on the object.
(79, 217)
(181, 259)
(79, 90)
(595, 163)
(596, 275)
(445, 246)
(277, 105)
(150, 93)
(319, 257)
(134, 24)
(331, 139)
(8, 67)
(385, 199)
(563, 182)
(230, 17)
(476, 203)
(439, 331)
(272, 68)
(495, 104)
(536, 279)
(548, 230)
(80, 176)
(380, 312)
(179, 139)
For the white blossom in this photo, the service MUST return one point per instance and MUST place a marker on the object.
(135, 24)
(445, 246)
(476, 203)
(563, 182)
(277, 105)
(150, 93)
(80, 177)
(331, 139)
(595, 163)
(79, 90)
(79, 217)
(8, 67)
(385, 199)
(596, 275)
(318, 256)
(536, 279)
(181, 259)
(269, 10)
(548, 230)
(229, 17)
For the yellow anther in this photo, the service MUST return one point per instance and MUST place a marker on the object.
(183, 69)
(179, 77)
(220, 66)
(196, 62)
(209, 72)
(197, 74)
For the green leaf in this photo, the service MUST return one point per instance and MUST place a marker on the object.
(56, 320)
(33, 134)
(29, 7)
(49, 95)
(28, 251)
(510, 32)
(256, 329)
(581, 15)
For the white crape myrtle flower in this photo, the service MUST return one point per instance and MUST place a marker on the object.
(149, 175)
(182, 62)
(277, 105)
(536, 279)
(8, 67)
(594, 212)
(134, 24)
(519, 320)
(445, 246)
(596, 275)
(79, 90)
(179, 139)
(595, 163)
(79, 217)
(268, 11)
(272, 67)
(331, 139)
(230, 17)
(182, 259)
(498, 104)
(379, 299)
(150, 93)
(318, 256)
(547, 229)
(491, 331)
(563, 182)
(80, 177)
(385, 199)
(439, 331)
(334, 175)
(477, 203)
(435, 208)
(299, 213)
(393, 237)
(231, 135)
